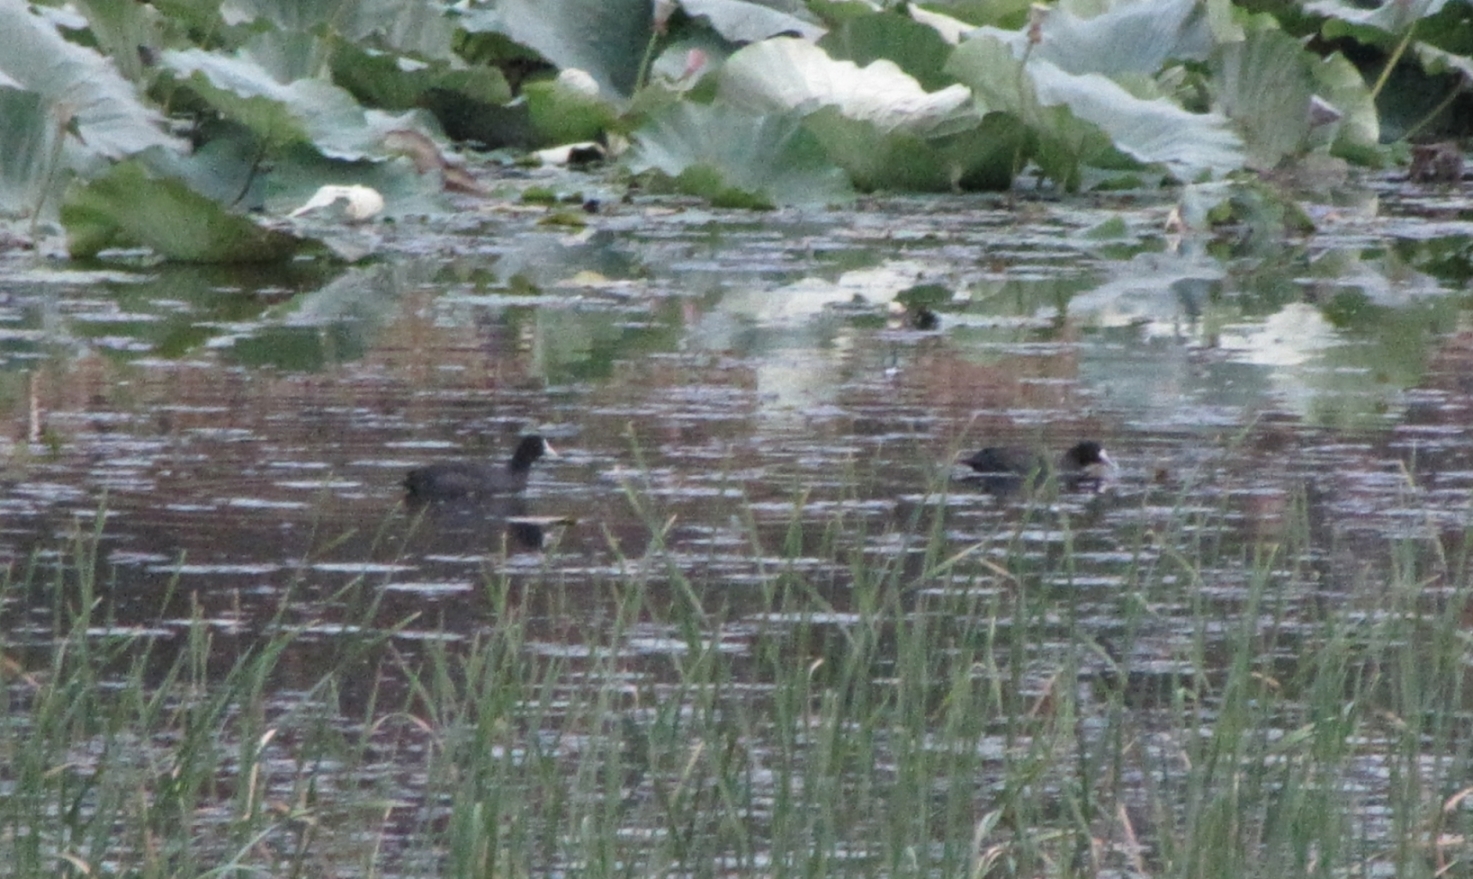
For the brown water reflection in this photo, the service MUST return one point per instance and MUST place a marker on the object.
(735, 409)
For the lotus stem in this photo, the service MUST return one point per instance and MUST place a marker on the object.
(245, 187)
(1391, 62)
(641, 79)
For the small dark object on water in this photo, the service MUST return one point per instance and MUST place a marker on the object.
(525, 535)
(912, 317)
(1436, 163)
(923, 318)
(459, 479)
(1083, 462)
(585, 156)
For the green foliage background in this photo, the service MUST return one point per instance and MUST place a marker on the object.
(252, 104)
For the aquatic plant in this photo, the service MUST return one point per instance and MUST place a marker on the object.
(207, 113)
(881, 701)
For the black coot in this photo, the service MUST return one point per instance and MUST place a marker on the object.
(461, 479)
(1003, 465)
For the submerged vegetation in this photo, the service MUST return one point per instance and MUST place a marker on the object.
(184, 127)
(893, 706)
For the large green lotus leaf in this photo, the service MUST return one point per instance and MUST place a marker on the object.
(1437, 61)
(1055, 140)
(80, 89)
(987, 157)
(651, 101)
(1444, 42)
(1152, 131)
(415, 27)
(877, 159)
(1064, 145)
(997, 13)
(605, 38)
(471, 98)
(951, 30)
(122, 30)
(227, 169)
(990, 156)
(393, 82)
(742, 21)
(1127, 37)
(798, 8)
(287, 16)
(1264, 85)
(918, 50)
(734, 158)
(1272, 88)
(1377, 24)
(190, 15)
(287, 57)
(1357, 135)
(835, 12)
(305, 110)
(564, 112)
(995, 75)
(691, 44)
(1061, 143)
(790, 74)
(27, 137)
(129, 208)
(1134, 37)
(297, 174)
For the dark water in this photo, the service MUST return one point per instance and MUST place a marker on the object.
(715, 378)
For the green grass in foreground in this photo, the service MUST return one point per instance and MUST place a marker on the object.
(931, 709)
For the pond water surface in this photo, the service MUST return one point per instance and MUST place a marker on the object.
(737, 399)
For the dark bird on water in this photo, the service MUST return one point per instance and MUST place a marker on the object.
(1082, 462)
(463, 479)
